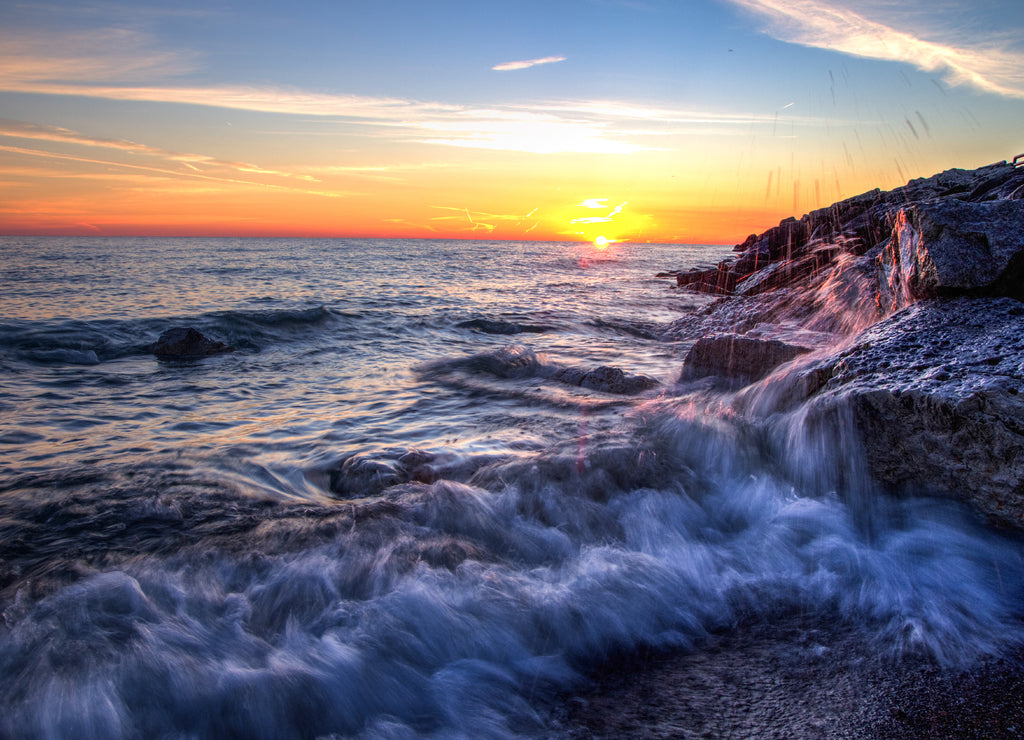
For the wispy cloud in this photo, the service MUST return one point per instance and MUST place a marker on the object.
(829, 25)
(526, 64)
(158, 169)
(107, 55)
(193, 162)
(481, 220)
(132, 72)
(599, 219)
(24, 130)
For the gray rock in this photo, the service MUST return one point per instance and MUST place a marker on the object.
(513, 361)
(185, 343)
(948, 247)
(935, 393)
(737, 357)
(605, 379)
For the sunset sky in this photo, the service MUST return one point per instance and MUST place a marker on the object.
(638, 120)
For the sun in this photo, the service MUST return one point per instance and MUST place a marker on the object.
(601, 242)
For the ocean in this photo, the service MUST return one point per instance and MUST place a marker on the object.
(405, 505)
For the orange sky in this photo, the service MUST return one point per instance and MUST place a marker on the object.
(700, 124)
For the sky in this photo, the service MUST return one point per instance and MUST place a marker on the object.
(697, 121)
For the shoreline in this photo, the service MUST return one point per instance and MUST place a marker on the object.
(798, 681)
(854, 310)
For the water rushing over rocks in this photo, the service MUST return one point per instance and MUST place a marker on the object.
(377, 517)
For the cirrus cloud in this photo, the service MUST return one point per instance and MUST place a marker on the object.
(525, 64)
(979, 63)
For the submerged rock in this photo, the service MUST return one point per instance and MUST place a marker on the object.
(185, 343)
(513, 361)
(489, 326)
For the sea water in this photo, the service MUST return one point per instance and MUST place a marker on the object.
(387, 514)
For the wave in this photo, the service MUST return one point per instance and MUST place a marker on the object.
(459, 609)
(72, 342)
(517, 361)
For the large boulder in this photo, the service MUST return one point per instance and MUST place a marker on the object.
(948, 247)
(736, 357)
(935, 394)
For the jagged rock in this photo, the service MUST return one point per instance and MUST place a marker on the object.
(935, 392)
(185, 343)
(605, 379)
(949, 247)
(737, 357)
(789, 253)
(753, 259)
(718, 281)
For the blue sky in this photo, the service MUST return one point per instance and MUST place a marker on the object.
(688, 111)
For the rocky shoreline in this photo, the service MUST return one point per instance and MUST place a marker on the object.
(900, 310)
(897, 316)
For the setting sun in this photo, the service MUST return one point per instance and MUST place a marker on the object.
(600, 242)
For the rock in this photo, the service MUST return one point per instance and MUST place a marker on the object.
(935, 392)
(362, 477)
(513, 361)
(925, 282)
(969, 203)
(606, 380)
(737, 357)
(718, 281)
(949, 247)
(185, 343)
(790, 272)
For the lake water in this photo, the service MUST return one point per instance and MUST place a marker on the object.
(394, 511)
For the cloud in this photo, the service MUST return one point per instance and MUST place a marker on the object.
(478, 220)
(37, 132)
(815, 23)
(109, 55)
(23, 130)
(160, 170)
(594, 203)
(525, 64)
(130, 71)
(599, 219)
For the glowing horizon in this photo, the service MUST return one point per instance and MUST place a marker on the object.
(706, 124)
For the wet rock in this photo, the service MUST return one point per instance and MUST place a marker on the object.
(949, 247)
(718, 281)
(606, 380)
(737, 357)
(961, 211)
(514, 361)
(186, 343)
(361, 477)
(936, 393)
(933, 392)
